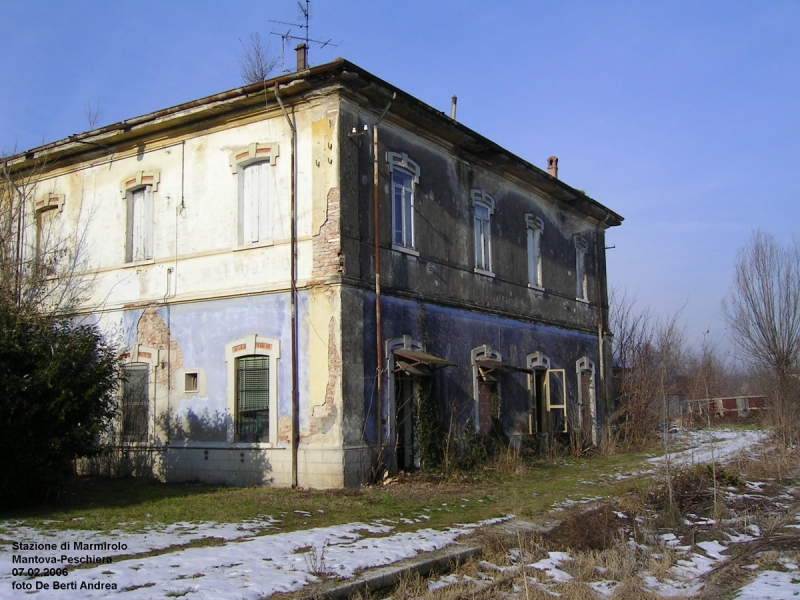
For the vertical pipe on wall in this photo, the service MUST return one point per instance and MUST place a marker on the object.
(378, 324)
(378, 332)
(293, 282)
(600, 324)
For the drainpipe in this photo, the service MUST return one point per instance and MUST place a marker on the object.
(378, 331)
(293, 276)
(378, 327)
(598, 288)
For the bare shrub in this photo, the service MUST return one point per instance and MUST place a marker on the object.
(648, 358)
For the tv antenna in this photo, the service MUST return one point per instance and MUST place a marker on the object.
(285, 37)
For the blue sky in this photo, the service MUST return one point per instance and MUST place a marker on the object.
(684, 117)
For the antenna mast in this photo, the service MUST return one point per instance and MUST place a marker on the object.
(306, 12)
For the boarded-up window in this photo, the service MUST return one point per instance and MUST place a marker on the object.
(255, 205)
(140, 224)
(135, 402)
(252, 399)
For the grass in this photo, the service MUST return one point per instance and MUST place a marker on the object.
(434, 500)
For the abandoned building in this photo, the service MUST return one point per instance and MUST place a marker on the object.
(318, 276)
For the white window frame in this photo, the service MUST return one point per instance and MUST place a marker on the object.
(253, 345)
(554, 402)
(482, 231)
(256, 231)
(534, 227)
(137, 191)
(488, 353)
(581, 280)
(400, 166)
(140, 354)
(583, 365)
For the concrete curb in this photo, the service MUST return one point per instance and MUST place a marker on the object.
(381, 577)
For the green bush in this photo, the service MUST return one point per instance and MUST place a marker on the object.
(58, 383)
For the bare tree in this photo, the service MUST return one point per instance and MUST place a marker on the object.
(763, 313)
(43, 264)
(94, 113)
(256, 61)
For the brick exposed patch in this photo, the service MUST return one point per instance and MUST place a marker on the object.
(285, 429)
(326, 245)
(152, 331)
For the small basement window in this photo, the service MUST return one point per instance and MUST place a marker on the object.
(190, 382)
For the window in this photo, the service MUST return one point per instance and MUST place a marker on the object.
(254, 165)
(135, 407)
(581, 283)
(535, 227)
(252, 389)
(555, 392)
(587, 405)
(47, 209)
(483, 208)
(252, 399)
(138, 193)
(486, 388)
(254, 204)
(190, 382)
(405, 174)
(138, 368)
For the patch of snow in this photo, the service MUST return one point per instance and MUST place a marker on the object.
(550, 566)
(247, 566)
(771, 585)
(604, 588)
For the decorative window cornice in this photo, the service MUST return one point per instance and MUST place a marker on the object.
(139, 179)
(533, 222)
(401, 160)
(538, 360)
(477, 196)
(50, 202)
(138, 353)
(255, 152)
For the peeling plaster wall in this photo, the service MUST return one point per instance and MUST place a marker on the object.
(195, 210)
(451, 334)
(444, 238)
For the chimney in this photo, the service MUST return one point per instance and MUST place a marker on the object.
(552, 166)
(453, 103)
(302, 57)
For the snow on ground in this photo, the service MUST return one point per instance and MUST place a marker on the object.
(253, 560)
(772, 585)
(247, 567)
(711, 445)
(155, 537)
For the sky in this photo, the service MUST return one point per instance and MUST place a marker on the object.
(683, 117)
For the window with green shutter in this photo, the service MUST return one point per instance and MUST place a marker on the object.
(135, 402)
(252, 399)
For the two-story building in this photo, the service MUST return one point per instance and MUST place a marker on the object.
(320, 276)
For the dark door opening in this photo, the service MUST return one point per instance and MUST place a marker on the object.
(405, 419)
